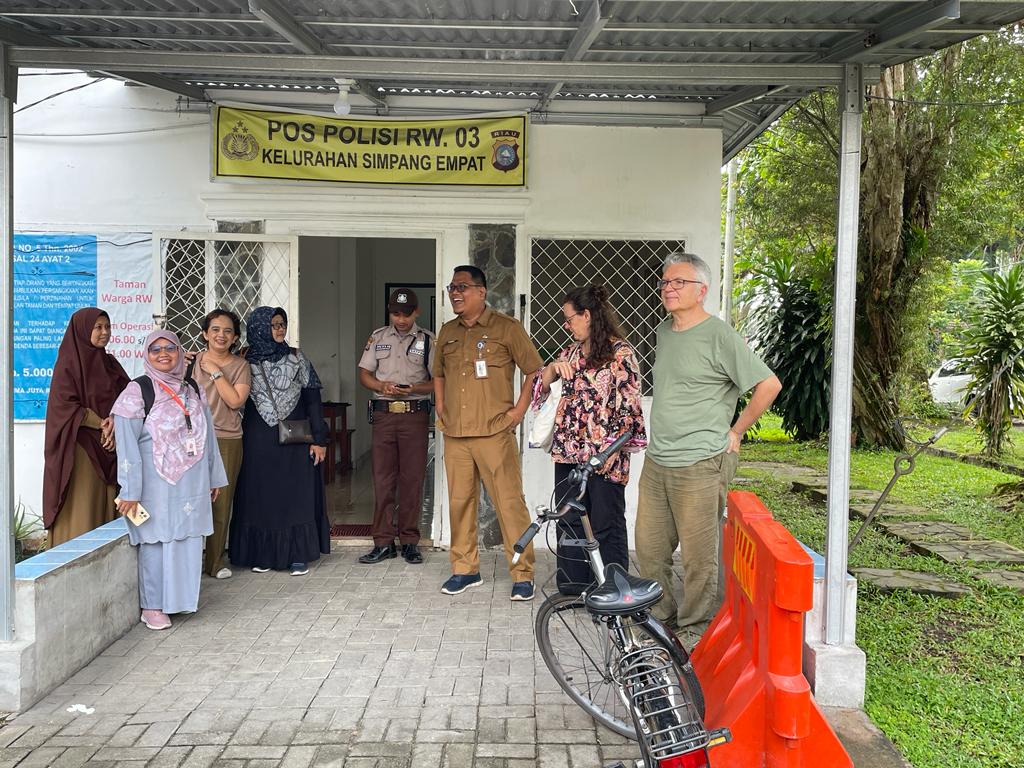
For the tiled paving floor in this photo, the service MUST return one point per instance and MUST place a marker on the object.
(361, 666)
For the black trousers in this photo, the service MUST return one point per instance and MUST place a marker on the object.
(606, 507)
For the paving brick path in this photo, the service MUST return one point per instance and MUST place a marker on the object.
(354, 665)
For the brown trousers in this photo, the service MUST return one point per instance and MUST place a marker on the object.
(89, 502)
(494, 460)
(682, 506)
(399, 464)
(231, 455)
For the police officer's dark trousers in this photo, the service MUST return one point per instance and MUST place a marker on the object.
(606, 506)
(399, 465)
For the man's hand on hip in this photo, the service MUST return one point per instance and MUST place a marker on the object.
(733, 445)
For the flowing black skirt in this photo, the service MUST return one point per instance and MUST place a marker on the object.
(279, 515)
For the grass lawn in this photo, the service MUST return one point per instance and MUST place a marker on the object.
(945, 677)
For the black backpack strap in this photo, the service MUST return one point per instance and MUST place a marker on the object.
(192, 382)
(148, 394)
(190, 368)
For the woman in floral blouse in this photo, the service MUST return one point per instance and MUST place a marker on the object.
(600, 401)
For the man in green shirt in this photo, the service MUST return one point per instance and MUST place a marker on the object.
(701, 368)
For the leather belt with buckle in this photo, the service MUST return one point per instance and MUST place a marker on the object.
(401, 406)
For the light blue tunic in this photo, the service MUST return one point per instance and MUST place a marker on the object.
(178, 511)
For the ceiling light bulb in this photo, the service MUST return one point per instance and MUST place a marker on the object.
(341, 106)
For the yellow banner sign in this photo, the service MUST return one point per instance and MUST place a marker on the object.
(257, 144)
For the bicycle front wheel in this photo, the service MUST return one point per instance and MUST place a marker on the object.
(583, 658)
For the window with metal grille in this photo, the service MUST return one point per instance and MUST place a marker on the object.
(627, 268)
(202, 274)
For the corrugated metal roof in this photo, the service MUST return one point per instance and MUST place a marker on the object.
(633, 61)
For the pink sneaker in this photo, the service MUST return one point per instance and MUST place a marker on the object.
(155, 619)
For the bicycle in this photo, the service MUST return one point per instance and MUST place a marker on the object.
(622, 665)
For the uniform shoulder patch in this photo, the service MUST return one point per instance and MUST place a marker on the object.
(369, 343)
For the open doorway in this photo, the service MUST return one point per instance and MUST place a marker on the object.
(344, 283)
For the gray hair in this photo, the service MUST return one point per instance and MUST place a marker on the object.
(699, 265)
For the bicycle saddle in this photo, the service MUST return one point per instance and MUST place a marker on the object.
(622, 593)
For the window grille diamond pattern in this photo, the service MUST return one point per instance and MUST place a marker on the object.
(627, 268)
(200, 275)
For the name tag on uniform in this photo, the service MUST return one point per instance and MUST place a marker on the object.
(190, 446)
(382, 348)
(481, 369)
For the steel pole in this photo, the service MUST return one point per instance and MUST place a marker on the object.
(730, 241)
(844, 306)
(8, 83)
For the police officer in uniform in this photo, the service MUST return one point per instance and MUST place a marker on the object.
(395, 367)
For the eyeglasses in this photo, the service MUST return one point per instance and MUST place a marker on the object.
(156, 349)
(279, 326)
(461, 287)
(677, 283)
(566, 323)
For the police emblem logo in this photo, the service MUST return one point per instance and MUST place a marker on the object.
(505, 152)
(239, 144)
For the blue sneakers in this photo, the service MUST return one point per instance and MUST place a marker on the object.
(522, 590)
(459, 583)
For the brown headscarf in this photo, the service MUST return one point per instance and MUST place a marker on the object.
(84, 376)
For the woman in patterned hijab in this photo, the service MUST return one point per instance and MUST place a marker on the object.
(169, 466)
(279, 520)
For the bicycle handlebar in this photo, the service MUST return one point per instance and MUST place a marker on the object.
(595, 463)
(598, 460)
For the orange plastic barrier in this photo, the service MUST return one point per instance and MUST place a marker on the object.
(749, 660)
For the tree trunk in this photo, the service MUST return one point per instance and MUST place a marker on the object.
(903, 155)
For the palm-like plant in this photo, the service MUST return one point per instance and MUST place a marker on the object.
(789, 326)
(995, 347)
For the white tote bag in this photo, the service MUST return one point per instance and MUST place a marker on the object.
(542, 428)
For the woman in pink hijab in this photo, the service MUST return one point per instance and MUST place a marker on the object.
(169, 465)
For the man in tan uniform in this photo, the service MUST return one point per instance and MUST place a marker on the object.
(476, 356)
(395, 366)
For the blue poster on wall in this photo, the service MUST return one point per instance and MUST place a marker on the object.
(54, 275)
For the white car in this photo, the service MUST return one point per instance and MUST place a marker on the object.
(950, 382)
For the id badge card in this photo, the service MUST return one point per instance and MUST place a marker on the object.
(481, 369)
(190, 445)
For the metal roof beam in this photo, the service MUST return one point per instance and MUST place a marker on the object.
(509, 25)
(590, 27)
(274, 15)
(905, 24)
(741, 138)
(163, 83)
(742, 96)
(449, 70)
(19, 36)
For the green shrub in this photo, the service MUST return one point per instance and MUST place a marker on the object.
(995, 348)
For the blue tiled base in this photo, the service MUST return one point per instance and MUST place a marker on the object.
(48, 561)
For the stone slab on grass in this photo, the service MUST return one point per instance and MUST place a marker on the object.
(818, 491)
(926, 530)
(976, 551)
(1004, 578)
(893, 579)
(889, 511)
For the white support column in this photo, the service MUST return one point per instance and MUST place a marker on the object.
(8, 84)
(833, 663)
(730, 242)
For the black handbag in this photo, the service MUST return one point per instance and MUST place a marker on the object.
(289, 431)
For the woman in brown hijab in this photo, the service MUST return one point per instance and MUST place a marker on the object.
(81, 468)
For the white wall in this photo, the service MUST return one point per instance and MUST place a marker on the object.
(125, 158)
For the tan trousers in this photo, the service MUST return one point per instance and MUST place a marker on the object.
(682, 506)
(231, 455)
(495, 461)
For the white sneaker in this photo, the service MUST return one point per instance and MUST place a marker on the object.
(257, 569)
(223, 573)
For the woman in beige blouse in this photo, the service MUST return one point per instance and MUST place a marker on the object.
(226, 378)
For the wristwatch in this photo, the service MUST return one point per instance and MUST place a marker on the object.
(216, 375)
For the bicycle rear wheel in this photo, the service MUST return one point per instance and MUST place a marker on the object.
(583, 658)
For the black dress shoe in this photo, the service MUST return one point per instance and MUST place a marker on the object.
(411, 553)
(377, 554)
